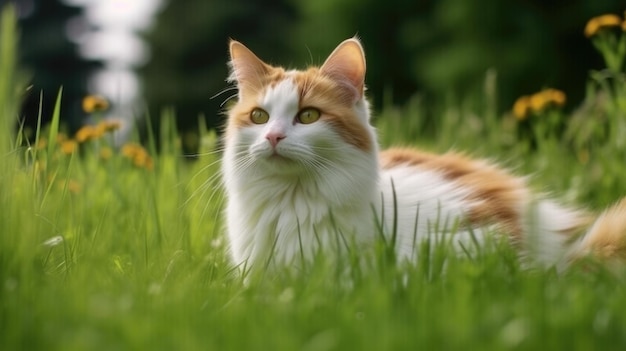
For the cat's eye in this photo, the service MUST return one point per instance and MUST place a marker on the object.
(258, 116)
(308, 115)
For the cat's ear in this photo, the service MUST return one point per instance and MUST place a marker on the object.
(247, 70)
(346, 65)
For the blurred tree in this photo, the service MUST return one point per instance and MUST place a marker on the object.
(190, 50)
(52, 61)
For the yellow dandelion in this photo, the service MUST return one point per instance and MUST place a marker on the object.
(95, 103)
(545, 98)
(521, 108)
(68, 147)
(85, 133)
(555, 96)
(109, 125)
(131, 149)
(537, 102)
(143, 160)
(599, 23)
(97, 132)
(138, 155)
(106, 153)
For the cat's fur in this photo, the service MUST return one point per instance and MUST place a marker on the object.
(293, 188)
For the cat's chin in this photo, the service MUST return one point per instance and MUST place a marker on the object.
(281, 164)
(276, 156)
(273, 158)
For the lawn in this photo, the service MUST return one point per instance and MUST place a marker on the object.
(105, 248)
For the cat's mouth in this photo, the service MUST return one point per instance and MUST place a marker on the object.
(276, 157)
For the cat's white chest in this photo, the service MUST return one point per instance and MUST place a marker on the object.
(292, 221)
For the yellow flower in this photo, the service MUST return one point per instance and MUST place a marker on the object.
(95, 103)
(599, 23)
(538, 102)
(555, 97)
(109, 125)
(68, 147)
(545, 98)
(138, 155)
(143, 160)
(85, 133)
(97, 132)
(521, 107)
(131, 149)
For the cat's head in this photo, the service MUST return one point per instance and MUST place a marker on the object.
(294, 119)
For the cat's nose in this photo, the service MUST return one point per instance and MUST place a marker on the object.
(274, 138)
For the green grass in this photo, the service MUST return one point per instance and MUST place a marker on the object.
(103, 255)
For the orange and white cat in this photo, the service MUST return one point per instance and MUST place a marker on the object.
(302, 166)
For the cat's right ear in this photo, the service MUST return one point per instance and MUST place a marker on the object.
(346, 65)
(247, 70)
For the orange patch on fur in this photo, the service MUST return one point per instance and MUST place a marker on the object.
(495, 196)
(607, 236)
(336, 105)
(239, 114)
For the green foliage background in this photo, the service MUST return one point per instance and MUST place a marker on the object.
(98, 254)
(440, 50)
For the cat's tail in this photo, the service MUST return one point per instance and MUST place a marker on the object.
(555, 234)
(606, 237)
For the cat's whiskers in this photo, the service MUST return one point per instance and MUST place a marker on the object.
(223, 91)
(219, 200)
(206, 166)
(213, 182)
(319, 164)
(329, 148)
(234, 96)
(244, 163)
(216, 151)
(211, 201)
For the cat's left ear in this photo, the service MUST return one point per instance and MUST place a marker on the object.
(247, 70)
(346, 65)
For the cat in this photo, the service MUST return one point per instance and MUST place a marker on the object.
(302, 166)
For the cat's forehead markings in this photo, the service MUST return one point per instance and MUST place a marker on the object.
(279, 78)
(281, 97)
